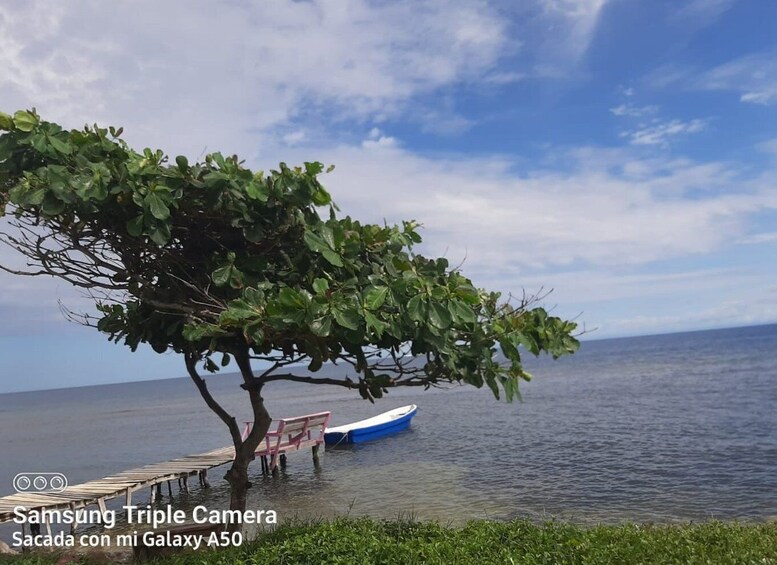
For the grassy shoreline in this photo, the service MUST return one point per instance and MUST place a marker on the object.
(364, 540)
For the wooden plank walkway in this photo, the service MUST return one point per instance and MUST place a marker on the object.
(122, 484)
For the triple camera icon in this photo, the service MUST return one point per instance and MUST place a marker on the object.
(39, 482)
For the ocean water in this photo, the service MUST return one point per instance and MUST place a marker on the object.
(663, 428)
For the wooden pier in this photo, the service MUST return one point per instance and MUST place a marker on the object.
(291, 434)
(123, 484)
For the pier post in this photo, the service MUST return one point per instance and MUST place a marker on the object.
(316, 462)
(169, 490)
(74, 524)
(283, 460)
(103, 510)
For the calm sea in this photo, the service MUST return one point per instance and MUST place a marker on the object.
(664, 428)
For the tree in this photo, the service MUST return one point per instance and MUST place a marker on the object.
(214, 262)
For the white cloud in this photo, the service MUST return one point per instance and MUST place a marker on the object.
(700, 13)
(610, 298)
(759, 238)
(764, 96)
(31, 304)
(749, 308)
(578, 21)
(442, 119)
(294, 137)
(661, 132)
(632, 111)
(665, 76)
(753, 76)
(610, 208)
(383, 141)
(231, 73)
(769, 147)
(241, 77)
(504, 77)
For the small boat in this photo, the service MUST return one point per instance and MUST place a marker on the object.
(376, 427)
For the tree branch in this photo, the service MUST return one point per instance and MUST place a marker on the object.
(229, 420)
(311, 380)
(262, 419)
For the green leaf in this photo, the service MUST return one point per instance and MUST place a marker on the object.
(61, 146)
(225, 360)
(222, 275)
(25, 121)
(159, 236)
(238, 312)
(316, 362)
(321, 327)
(375, 297)
(290, 298)
(510, 350)
(320, 286)
(510, 384)
(319, 245)
(439, 315)
(52, 206)
(348, 318)
(182, 162)
(254, 296)
(468, 294)
(237, 278)
(195, 332)
(6, 122)
(528, 342)
(416, 307)
(375, 324)
(313, 168)
(320, 197)
(157, 207)
(135, 226)
(257, 190)
(215, 179)
(328, 235)
(462, 312)
(493, 386)
(39, 143)
(314, 242)
(35, 197)
(332, 257)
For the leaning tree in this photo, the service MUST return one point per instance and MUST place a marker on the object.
(217, 262)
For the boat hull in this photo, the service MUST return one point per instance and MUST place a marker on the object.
(373, 432)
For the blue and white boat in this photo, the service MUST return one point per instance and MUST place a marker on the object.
(376, 427)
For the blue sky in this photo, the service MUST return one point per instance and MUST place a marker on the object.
(620, 152)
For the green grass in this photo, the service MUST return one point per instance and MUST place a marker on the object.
(403, 542)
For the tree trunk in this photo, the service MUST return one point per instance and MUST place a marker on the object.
(237, 476)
